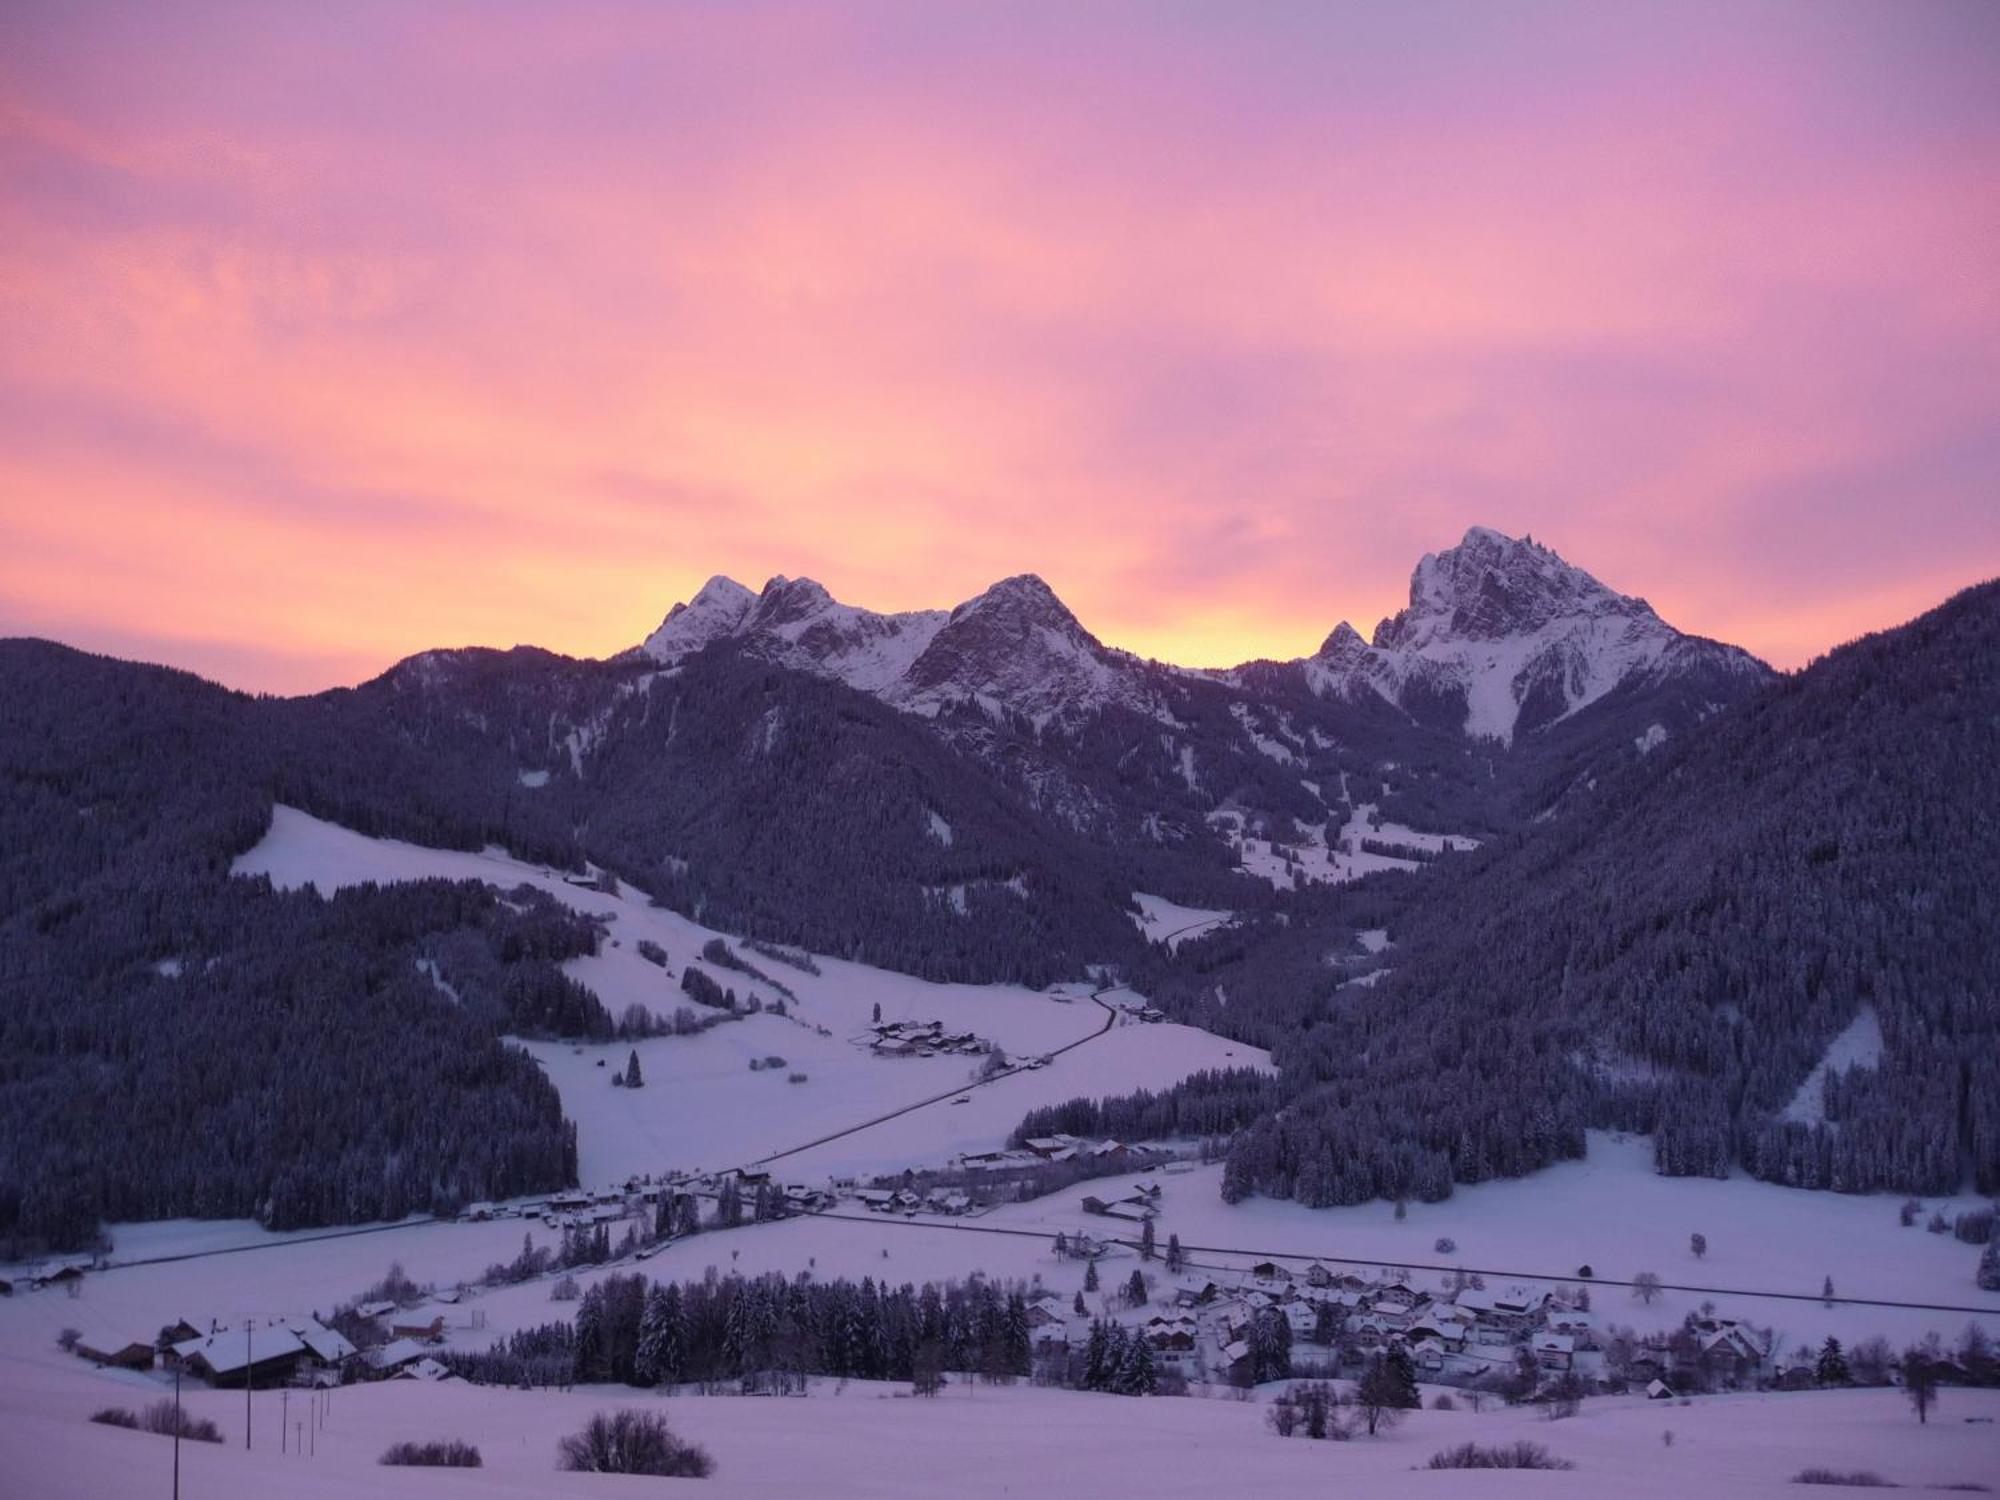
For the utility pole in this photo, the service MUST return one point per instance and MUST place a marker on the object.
(249, 1378)
(178, 1419)
(284, 1416)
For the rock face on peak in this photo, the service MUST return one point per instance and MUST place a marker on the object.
(797, 622)
(1018, 648)
(1014, 648)
(717, 611)
(1503, 637)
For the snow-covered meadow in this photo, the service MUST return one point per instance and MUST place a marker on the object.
(703, 1106)
(875, 1440)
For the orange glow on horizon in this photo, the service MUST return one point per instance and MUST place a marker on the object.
(356, 333)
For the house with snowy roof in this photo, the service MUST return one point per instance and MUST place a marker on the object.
(260, 1356)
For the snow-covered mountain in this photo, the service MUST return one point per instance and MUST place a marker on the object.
(1014, 648)
(1502, 636)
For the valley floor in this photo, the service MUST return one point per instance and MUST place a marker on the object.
(876, 1440)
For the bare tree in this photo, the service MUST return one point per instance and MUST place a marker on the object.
(1646, 1287)
(1698, 1243)
(1920, 1382)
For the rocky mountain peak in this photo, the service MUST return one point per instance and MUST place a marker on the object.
(1492, 587)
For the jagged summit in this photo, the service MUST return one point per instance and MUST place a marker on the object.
(1492, 586)
(1015, 647)
(1506, 633)
(1501, 635)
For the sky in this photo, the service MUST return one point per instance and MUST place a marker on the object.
(334, 332)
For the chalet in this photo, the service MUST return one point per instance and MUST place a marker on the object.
(1318, 1275)
(1269, 1270)
(573, 1201)
(393, 1356)
(1392, 1312)
(1733, 1353)
(876, 1200)
(1050, 1338)
(1395, 1294)
(1170, 1335)
(1659, 1390)
(58, 1272)
(1201, 1296)
(326, 1348)
(1553, 1351)
(1131, 1212)
(1051, 1147)
(138, 1354)
(425, 1326)
(425, 1369)
(1570, 1320)
(893, 1046)
(1042, 1314)
(262, 1356)
(1303, 1319)
(478, 1213)
(1235, 1354)
(1513, 1309)
(1428, 1354)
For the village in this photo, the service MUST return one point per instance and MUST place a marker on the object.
(1206, 1324)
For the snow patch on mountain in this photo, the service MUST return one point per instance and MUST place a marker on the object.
(1858, 1046)
(1169, 922)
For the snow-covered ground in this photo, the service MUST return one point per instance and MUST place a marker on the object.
(1169, 922)
(1858, 1046)
(1325, 858)
(1609, 1210)
(867, 1439)
(703, 1106)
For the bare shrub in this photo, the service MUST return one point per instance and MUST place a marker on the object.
(633, 1442)
(1860, 1479)
(1522, 1455)
(115, 1416)
(441, 1454)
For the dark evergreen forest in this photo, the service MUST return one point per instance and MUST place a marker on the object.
(1675, 958)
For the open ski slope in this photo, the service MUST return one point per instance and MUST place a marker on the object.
(703, 1106)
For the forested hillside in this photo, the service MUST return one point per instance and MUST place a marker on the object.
(176, 1042)
(1680, 960)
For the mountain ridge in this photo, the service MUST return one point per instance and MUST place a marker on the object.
(1503, 627)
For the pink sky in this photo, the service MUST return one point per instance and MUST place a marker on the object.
(333, 332)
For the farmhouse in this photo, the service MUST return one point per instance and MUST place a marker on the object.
(136, 1354)
(426, 1327)
(262, 1356)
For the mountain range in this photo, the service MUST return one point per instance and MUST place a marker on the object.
(1500, 636)
(976, 795)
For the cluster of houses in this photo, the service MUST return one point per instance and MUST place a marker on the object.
(920, 1039)
(1045, 1150)
(289, 1351)
(1204, 1330)
(910, 1201)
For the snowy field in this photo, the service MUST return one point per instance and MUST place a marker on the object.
(1610, 1210)
(1169, 922)
(874, 1440)
(1331, 858)
(703, 1106)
